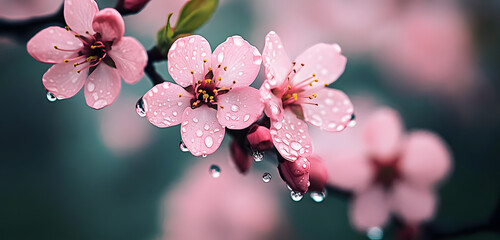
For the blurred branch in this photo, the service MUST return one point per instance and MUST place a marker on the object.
(154, 55)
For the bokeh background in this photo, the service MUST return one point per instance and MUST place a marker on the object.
(70, 172)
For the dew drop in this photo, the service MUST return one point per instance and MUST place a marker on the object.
(235, 108)
(257, 156)
(204, 155)
(246, 117)
(209, 142)
(139, 108)
(51, 97)
(199, 133)
(352, 123)
(375, 233)
(296, 196)
(318, 196)
(214, 170)
(183, 147)
(289, 188)
(266, 177)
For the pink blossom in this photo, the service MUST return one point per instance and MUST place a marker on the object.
(27, 8)
(93, 37)
(212, 93)
(295, 91)
(389, 171)
(259, 138)
(228, 207)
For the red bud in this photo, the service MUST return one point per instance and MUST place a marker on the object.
(295, 174)
(260, 138)
(240, 157)
(130, 6)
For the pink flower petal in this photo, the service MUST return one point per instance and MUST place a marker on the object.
(130, 58)
(325, 61)
(383, 134)
(41, 46)
(296, 174)
(350, 170)
(236, 62)
(63, 81)
(242, 107)
(425, 158)
(277, 64)
(79, 15)
(333, 113)
(164, 107)
(186, 54)
(102, 87)
(273, 105)
(414, 205)
(109, 23)
(291, 137)
(200, 130)
(370, 209)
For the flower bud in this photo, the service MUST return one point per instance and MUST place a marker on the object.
(242, 160)
(130, 6)
(295, 174)
(260, 138)
(318, 176)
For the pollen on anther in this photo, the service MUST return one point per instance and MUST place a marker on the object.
(295, 96)
(209, 68)
(326, 84)
(205, 60)
(302, 64)
(67, 28)
(289, 87)
(219, 78)
(192, 72)
(78, 71)
(234, 82)
(66, 60)
(218, 66)
(55, 47)
(314, 75)
(221, 106)
(180, 95)
(225, 68)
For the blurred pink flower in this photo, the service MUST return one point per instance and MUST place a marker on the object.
(231, 206)
(389, 171)
(22, 9)
(130, 6)
(298, 89)
(121, 130)
(428, 48)
(217, 96)
(95, 37)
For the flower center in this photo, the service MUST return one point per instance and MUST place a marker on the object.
(387, 173)
(296, 92)
(206, 91)
(93, 52)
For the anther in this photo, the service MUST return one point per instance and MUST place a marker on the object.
(180, 95)
(204, 60)
(225, 68)
(314, 75)
(289, 87)
(66, 60)
(55, 47)
(219, 78)
(295, 96)
(218, 66)
(326, 84)
(302, 64)
(209, 68)
(192, 72)
(67, 28)
(234, 82)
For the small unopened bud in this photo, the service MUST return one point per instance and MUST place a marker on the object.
(259, 138)
(295, 174)
(318, 176)
(130, 6)
(242, 160)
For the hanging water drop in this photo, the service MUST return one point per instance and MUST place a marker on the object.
(214, 171)
(51, 97)
(183, 147)
(289, 188)
(352, 122)
(139, 108)
(257, 156)
(296, 196)
(375, 233)
(266, 177)
(318, 196)
(204, 155)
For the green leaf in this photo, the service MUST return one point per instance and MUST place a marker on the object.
(194, 14)
(165, 37)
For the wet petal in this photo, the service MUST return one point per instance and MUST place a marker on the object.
(370, 209)
(290, 137)
(102, 87)
(414, 205)
(41, 46)
(63, 81)
(273, 105)
(186, 54)
(236, 62)
(425, 158)
(130, 58)
(382, 134)
(164, 107)
(109, 23)
(296, 174)
(334, 110)
(325, 61)
(277, 65)
(242, 107)
(79, 15)
(200, 130)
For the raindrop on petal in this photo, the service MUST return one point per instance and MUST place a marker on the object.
(183, 147)
(352, 123)
(214, 171)
(139, 108)
(296, 196)
(375, 233)
(266, 177)
(51, 97)
(257, 156)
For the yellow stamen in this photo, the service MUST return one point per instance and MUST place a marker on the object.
(180, 95)
(225, 68)
(215, 90)
(314, 75)
(326, 84)
(66, 60)
(67, 28)
(55, 47)
(208, 81)
(205, 60)
(195, 104)
(289, 87)
(209, 68)
(314, 95)
(200, 91)
(302, 64)
(219, 78)
(295, 96)
(221, 106)
(192, 72)
(205, 96)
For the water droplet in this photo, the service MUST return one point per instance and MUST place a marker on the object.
(352, 123)
(199, 133)
(51, 97)
(289, 188)
(375, 233)
(183, 147)
(266, 177)
(296, 196)
(214, 171)
(318, 196)
(139, 108)
(235, 108)
(209, 142)
(204, 155)
(257, 156)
